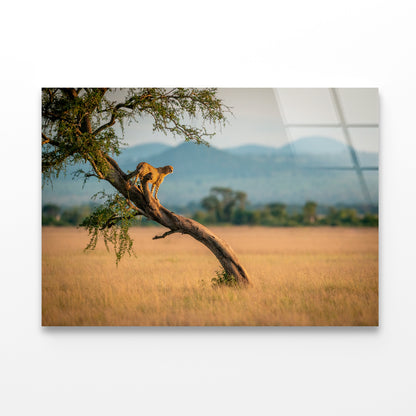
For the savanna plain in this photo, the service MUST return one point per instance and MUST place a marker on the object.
(300, 276)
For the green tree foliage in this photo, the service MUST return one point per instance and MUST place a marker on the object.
(75, 215)
(309, 212)
(112, 220)
(51, 214)
(51, 210)
(223, 279)
(275, 214)
(222, 203)
(78, 125)
(370, 220)
(349, 216)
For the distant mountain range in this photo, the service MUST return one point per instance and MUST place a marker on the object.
(306, 145)
(289, 174)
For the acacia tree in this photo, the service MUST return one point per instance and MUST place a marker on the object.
(309, 212)
(222, 201)
(78, 126)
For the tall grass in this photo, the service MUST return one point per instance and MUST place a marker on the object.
(301, 276)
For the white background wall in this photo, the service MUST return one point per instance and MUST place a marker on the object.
(191, 371)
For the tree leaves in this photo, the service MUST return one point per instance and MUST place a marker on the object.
(78, 126)
(111, 220)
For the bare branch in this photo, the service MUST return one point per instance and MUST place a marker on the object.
(47, 140)
(100, 175)
(113, 116)
(156, 237)
(113, 219)
(130, 104)
(91, 175)
(106, 125)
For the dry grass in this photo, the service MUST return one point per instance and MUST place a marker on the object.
(300, 276)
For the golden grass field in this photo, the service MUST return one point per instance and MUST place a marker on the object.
(300, 276)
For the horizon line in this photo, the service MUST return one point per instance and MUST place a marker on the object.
(250, 144)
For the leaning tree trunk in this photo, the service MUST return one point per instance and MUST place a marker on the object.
(152, 209)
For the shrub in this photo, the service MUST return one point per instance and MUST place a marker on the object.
(223, 279)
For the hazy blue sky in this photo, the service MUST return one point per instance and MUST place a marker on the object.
(257, 119)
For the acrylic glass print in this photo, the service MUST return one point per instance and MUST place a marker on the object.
(210, 207)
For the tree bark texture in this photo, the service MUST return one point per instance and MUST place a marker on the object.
(152, 209)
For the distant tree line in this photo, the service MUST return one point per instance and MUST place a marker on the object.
(61, 216)
(226, 206)
(53, 214)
